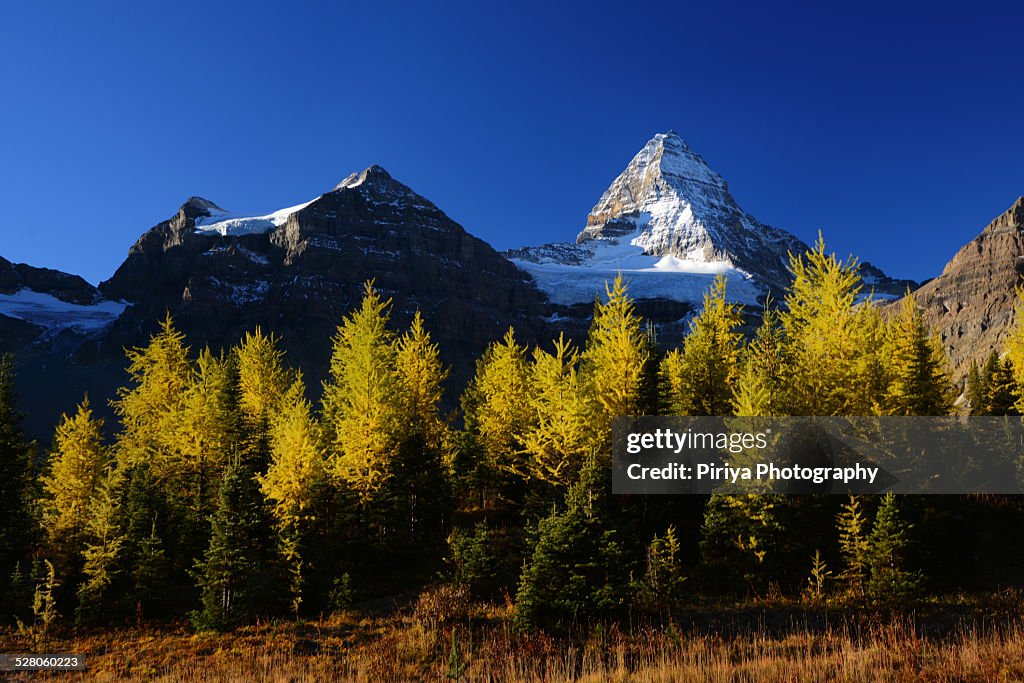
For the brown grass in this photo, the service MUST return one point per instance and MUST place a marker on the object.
(415, 645)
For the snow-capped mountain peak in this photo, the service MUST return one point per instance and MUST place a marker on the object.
(668, 202)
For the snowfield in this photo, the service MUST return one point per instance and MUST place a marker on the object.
(52, 313)
(225, 225)
(648, 277)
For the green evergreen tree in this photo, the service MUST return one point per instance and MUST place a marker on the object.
(975, 389)
(16, 490)
(660, 590)
(701, 377)
(152, 573)
(888, 542)
(239, 577)
(1000, 396)
(578, 567)
(474, 558)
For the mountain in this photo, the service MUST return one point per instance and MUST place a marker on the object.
(669, 224)
(971, 304)
(43, 306)
(298, 271)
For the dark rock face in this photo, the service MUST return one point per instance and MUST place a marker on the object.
(882, 284)
(300, 278)
(971, 304)
(69, 288)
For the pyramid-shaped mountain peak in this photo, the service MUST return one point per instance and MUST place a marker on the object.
(669, 202)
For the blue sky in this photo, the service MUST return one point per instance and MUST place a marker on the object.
(896, 131)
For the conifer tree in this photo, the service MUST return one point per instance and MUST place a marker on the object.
(15, 486)
(420, 378)
(975, 390)
(918, 373)
(262, 378)
(76, 470)
(297, 469)
(496, 406)
(835, 366)
(1000, 395)
(660, 589)
(294, 483)
(418, 492)
(239, 576)
(361, 398)
(564, 434)
(207, 433)
(578, 566)
(853, 547)
(740, 539)
(700, 378)
(145, 520)
(104, 541)
(150, 409)
(617, 354)
(761, 388)
(1015, 351)
(888, 542)
(262, 381)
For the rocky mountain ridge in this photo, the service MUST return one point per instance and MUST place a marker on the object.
(971, 304)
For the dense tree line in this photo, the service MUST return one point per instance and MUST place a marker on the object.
(223, 492)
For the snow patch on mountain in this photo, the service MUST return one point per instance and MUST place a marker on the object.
(226, 225)
(576, 273)
(52, 313)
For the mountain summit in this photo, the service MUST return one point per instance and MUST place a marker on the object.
(668, 201)
(669, 224)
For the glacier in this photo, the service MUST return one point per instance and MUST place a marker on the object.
(46, 310)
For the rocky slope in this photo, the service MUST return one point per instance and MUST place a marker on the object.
(48, 307)
(971, 304)
(298, 271)
(669, 224)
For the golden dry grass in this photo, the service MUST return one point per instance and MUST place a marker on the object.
(416, 646)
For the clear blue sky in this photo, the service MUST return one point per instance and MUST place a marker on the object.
(897, 132)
